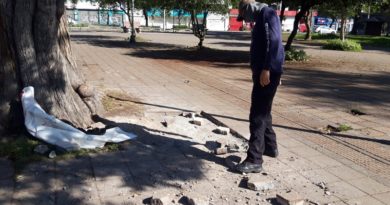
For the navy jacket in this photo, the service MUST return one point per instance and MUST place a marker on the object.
(267, 50)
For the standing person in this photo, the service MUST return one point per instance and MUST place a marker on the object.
(267, 57)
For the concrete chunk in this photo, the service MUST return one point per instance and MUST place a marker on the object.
(220, 151)
(290, 198)
(260, 185)
(221, 142)
(223, 130)
(160, 200)
(197, 121)
(193, 201)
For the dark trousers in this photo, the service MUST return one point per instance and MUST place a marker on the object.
(262, 135)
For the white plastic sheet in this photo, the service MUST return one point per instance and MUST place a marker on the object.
(53, 131)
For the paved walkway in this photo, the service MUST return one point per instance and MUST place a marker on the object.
(165, 76)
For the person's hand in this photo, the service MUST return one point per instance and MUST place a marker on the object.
(264, 78)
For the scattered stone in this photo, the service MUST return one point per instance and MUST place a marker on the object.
(260, 185)
(221, 142)
(98, 125)
(322, 185)
(160, 200)
(289, 198)
(357, 112)
(327, 193)
(194, 201)
(197, 121)
(86, 91)
(164, 123)
(191, 115)
(52, 154)
(233, 147)
(220, 151)
(223, 130)
(331, 129)
(186, 81)
(41, 149)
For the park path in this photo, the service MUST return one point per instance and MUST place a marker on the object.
(165, 76)
(166, 73)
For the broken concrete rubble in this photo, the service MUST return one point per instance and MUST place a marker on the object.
(260, 185)
(196, 121)
(220, 151)
(160, 200)
(222, 130)
(289, 198)
(52, 154)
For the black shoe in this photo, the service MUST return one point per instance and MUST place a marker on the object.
(271, 153)
(247, 167)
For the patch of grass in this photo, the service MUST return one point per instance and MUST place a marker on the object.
(344, 128)
(180, 27)
(78, 25)
(376, 41)
(347, 45)
(324, 36)
(18, 148)
(20, 151)
(296, 55)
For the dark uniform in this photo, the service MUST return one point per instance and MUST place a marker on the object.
(267, 52)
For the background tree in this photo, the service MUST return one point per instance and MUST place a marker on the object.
(342, 9)
(35, 51)
(305, 6)
(126, 6)
(200, 8)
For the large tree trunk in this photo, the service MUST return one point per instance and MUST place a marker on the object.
(342, 28)
(35, 51)
(145, 11)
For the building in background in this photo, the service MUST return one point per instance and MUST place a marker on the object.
(86, 12)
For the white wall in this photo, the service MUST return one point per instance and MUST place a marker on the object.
(288, 24)
(82, 4)
(217, 22)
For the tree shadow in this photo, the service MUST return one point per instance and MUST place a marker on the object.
(151, 161)
(245, 36)
(233, 44)
(214, 57)
(337, 87)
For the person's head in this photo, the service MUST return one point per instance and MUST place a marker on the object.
(248, 9)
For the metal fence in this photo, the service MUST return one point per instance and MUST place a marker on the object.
(99, 17)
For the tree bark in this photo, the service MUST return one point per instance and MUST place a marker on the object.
(342, 28)
(298, 17)
(35, 51)
(145, 11)
(199, 30)
(308, 23)
(282, 13)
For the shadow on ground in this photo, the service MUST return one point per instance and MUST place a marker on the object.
(163, 51)
(153, 160)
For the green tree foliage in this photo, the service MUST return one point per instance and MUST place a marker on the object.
(199, 10)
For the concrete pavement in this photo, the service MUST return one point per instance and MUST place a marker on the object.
(168, 77)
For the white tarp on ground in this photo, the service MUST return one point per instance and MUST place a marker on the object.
(53, 131)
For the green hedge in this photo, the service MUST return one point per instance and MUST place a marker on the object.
(347, 45)
(180, 27)
(296, 55)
